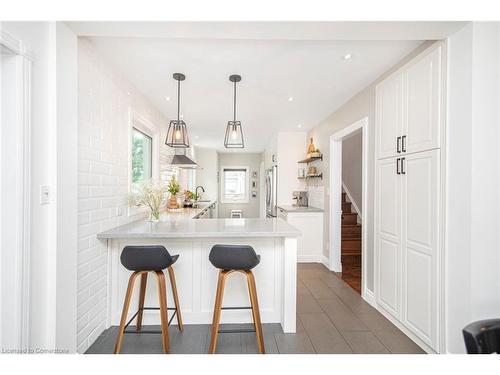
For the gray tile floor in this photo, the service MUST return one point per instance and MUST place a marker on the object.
(331, 318)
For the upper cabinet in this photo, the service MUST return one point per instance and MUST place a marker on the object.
(409, 107)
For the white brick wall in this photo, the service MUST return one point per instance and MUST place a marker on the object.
(104, 100)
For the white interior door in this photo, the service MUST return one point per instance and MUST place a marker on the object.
(420, 192)
(388, 235)
(389, 116)
(423, 88)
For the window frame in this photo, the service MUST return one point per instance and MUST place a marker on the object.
(135, 128)
(140, 123)
(223, 199)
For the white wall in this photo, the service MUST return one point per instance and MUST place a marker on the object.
(206, 175)
(352, 163)
(104, 101)
(359, 106)
(39, 38)
(472, 215)
(242, 159)
(291, 147)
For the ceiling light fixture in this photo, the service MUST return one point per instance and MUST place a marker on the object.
(167, 98)
(177, 134)
(347, 56)
(290, 99)
(234, 133)
(299, 126)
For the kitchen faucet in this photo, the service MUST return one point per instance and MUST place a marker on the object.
(196, 192)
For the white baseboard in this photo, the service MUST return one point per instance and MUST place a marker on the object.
(369, 297)
(326, 262)
(310, 258)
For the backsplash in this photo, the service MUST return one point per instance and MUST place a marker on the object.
(316, 196)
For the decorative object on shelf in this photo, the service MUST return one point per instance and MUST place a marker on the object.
(234, 132)
(254, 194)
(177, 134)
(312, 151)
(254, 174)
(189, 198)
(173, 189)
(148, 193)
(254, 184)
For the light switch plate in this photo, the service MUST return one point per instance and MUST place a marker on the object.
(44, 194)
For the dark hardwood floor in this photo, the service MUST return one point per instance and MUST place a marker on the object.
(331, 318)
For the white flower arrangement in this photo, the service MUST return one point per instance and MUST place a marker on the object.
(148, 193)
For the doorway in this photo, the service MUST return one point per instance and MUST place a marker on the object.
(348, 208)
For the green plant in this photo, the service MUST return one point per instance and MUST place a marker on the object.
(190, 196)
(173, 186)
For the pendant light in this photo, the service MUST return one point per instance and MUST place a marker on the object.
(234, 133)
(177, 135)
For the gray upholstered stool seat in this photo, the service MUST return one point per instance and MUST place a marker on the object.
(147, 258)
(234, 257)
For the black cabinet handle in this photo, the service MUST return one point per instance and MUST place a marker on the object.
(397, 165)
(398, 145)
(403, 143)
(403, 171)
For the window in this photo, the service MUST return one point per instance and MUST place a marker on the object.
(142, 146)
(234, 185)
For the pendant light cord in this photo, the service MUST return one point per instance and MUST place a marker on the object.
(178, 99)
(234, 107)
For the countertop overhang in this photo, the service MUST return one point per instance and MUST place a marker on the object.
(202, 228)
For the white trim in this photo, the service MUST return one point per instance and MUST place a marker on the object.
(369, 297)
(141, 123)
(336, 193)
(351, 200)
(23, 115)
(245, 200)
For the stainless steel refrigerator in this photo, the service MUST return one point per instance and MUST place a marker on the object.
(271, 191)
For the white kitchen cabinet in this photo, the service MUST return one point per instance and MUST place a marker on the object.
(420, 243)
(310, 242)
(388, 227)
(423, 103)
(408, 196)
(409, 107)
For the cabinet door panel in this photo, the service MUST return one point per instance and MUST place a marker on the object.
(388, 234)
(389, 116)
(423, 90)
(420, 192)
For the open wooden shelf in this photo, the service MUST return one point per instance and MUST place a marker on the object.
(310, 160)
(319, 175)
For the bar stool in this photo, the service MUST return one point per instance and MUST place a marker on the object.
(482, 337)
(142, 260)
(229, 259)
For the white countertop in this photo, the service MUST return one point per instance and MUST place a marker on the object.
(290, 208)
(204, 228)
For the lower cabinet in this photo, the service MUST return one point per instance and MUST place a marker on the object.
(310, 242)
(407, 241)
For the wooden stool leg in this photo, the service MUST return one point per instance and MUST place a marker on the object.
(126, 305)
(217, 310)
(142, 296)
(255, 311)
(162, 294)
(171, 275)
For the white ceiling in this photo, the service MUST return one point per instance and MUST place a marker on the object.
(277, 60)
(312, 72)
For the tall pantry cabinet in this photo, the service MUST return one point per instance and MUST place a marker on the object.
(409, 132)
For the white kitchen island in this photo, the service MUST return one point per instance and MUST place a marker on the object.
(273, 239)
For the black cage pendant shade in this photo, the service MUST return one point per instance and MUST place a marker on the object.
(234, 132)
(177, 134)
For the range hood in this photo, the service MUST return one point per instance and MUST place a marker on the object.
(184, 162)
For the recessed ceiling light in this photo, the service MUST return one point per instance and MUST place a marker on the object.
(347, 56)
(290, 99)
(299, 126)
(181, 116)
(167, 98)
(196, 137)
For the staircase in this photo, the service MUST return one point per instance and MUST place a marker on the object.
(351, 246)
